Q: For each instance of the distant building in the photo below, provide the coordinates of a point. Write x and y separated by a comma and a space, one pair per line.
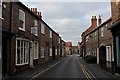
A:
68, 48
75, 50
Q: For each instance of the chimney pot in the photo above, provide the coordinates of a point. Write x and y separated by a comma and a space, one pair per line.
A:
99, 20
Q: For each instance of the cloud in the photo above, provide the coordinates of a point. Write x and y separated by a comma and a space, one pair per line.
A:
70, 19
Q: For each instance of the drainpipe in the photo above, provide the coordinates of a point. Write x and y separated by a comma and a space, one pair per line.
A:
10, 58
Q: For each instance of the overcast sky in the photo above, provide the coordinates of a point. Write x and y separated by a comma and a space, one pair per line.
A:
70, 19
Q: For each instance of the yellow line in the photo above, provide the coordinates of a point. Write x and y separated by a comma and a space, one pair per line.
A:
86, 72
44, 70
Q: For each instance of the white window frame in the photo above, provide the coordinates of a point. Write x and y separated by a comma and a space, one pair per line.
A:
102, 31
55, 51
42, 28
0, 9
108, 53
25, 56
87, 38
36, 48
36, 25
59, 40
23, 29
42, 52
50, 34
50, 52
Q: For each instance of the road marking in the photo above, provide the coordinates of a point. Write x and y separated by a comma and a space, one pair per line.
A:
86, 72
36, 75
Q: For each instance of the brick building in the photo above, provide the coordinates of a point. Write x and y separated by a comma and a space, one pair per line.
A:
27, 39
74, 49
68, 48
115, 8
99, 43
83, 43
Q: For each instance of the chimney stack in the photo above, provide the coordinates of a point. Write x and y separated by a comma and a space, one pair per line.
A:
34, 10
94, 21
39, 14
99, 20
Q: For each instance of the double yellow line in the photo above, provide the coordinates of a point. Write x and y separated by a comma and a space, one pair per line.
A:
36, 75
86, 72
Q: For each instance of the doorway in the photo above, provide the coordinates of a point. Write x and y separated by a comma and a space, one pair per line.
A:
102, 57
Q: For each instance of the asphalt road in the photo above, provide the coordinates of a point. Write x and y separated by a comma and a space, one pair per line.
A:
72, 67
67, 68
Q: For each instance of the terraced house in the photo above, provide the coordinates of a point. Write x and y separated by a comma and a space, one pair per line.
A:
103, 44
115, 8
27, 40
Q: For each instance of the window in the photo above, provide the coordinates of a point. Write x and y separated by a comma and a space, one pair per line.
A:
59, 40
50, 34
108, 53
55, 51
42, 52
34, 29
0, 9
102, 31
42, 28
59, 50
21, 20
22, 52
87, 38
36, 50
50, 51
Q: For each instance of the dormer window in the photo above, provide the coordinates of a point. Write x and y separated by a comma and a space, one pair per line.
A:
21, 20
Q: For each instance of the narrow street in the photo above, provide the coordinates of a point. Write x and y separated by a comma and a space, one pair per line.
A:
72, 68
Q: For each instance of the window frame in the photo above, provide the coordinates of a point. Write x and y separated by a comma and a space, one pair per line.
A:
25, 56
36, 46
35, 21
42, 55
42, 28
108, 53
23, 29
50, 52
102, 31
0, 9
50, 34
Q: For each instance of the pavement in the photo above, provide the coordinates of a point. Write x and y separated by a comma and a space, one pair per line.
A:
70, 67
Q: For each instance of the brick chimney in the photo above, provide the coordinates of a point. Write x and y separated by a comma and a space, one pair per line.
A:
34, 10
99, 20
94, 21
39, 14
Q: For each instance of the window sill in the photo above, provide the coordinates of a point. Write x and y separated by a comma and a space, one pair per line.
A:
21, 29
35, 58
21, 64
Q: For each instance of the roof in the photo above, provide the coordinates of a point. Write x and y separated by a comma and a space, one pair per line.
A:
108, 20
114, 25
74, 46
68, 43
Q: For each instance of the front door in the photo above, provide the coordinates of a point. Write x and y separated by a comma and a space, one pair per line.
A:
31, 54
102, 57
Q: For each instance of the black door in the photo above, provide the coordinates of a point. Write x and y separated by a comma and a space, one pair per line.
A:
4, 56
102, 56
53, 52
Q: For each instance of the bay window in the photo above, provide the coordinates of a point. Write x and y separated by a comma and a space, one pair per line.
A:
22, 52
